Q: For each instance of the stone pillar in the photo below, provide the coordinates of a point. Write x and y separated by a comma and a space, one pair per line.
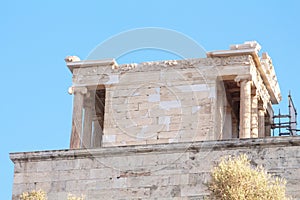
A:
87, 124
245, 106
98, 120
254, 116
268, 126
235, 130
261, 122
77, 116
97, 135
227, 127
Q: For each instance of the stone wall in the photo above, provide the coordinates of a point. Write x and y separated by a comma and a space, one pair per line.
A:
161, 171
156, 102
160, 105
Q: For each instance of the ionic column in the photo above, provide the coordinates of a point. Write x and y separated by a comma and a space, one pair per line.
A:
87, 124
261, 121
77, 116
245, 106
227, 127
98, 132
254, 116
98, 119
234, 128
268, 130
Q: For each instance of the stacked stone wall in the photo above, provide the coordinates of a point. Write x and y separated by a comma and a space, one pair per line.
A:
161, 171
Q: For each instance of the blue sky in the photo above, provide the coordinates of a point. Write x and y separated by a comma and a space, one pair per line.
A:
37, 35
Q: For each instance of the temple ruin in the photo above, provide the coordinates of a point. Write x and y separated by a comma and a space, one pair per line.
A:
228, 94
155, 130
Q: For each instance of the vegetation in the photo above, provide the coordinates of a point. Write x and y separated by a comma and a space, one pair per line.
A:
34, 195
72, 197
235, 179
41, 195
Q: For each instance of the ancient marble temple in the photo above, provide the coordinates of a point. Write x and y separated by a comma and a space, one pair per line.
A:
228, 94
155, 130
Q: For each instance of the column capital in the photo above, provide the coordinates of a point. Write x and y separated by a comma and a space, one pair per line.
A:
74, 90
240, 78
254, 91
261, 107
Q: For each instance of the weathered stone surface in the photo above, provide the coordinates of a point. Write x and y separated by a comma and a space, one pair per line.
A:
162, 171
141, 101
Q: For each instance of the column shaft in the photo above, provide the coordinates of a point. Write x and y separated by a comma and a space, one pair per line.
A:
97, 135
261, 123
77, 120
87, 125
254, 117
234, 128
245, 109
268, 129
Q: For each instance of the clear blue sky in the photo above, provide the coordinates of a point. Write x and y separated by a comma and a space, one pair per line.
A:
37, 35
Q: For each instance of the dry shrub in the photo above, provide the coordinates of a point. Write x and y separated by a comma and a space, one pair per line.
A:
34, 195
235, 179
41, 195
72, 197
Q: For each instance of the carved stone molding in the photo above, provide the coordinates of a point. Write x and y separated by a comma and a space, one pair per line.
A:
72, 59
188, 63
260, 86
268, 69
233, 60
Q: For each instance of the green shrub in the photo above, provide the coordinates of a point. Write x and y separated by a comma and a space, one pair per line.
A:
235, 179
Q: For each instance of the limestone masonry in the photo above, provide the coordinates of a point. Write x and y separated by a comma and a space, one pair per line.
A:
154, 130
229, 94
162, 171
